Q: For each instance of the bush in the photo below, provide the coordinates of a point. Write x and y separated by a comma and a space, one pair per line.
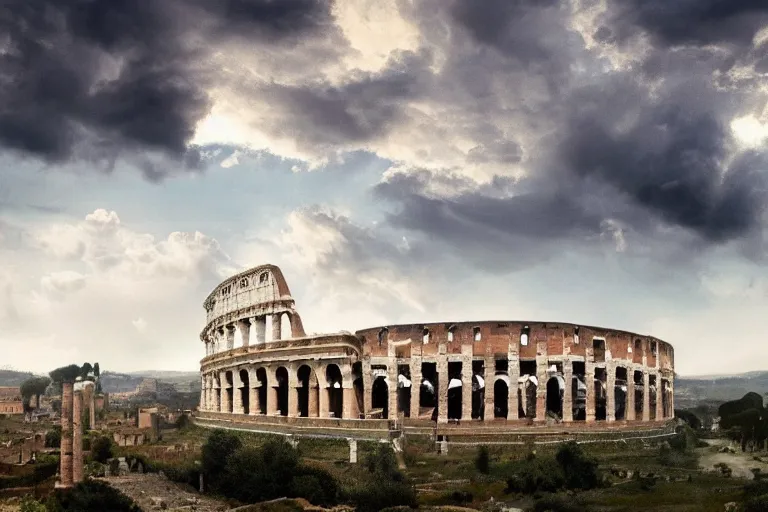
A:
185, 473
303, 488
90, 496
758, 504
258, 474
219, 446
535, 475
556, 503
383, 463
182, 422
755, 488
53, 437
378, 495
483, 460
102, 449
580, 471
30, 504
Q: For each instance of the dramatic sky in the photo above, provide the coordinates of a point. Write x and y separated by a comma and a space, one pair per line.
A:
599, 162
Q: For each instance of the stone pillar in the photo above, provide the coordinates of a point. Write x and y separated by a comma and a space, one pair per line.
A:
659, 401
276, 325
203, 391
489, 376
415, 386
244, 326
629, 414
610, 384
324, 403
466, 387
230, 332
646, 396
367, 386
392, 389
224, 402
568, 392
253, 397
313, 405
272, 401
65, 468
442, 388
293, 393
237, 398
541, 389
77, 437
513, 403
352, 450
258, 331
349, 403
589, 381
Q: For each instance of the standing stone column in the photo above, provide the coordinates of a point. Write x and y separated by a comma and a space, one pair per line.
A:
224, 401
276, 327
272, 400
589, 377
65, 470
367, 387
442, 388
393, 390
203, 391
313, 401
646, 396
77, 437
659, 401
230, 336
568, 392
293, 393
324, 404
489, 374
237, 398
253, 395
610, 384
513, 403
244, 326
466, 387
541, 389
629, 409
415, 386
349, 402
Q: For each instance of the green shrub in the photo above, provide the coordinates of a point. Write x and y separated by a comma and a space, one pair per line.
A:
383, 463
102, 449
330, 491
483, 460
30, 504
757, 504
579, 470
383, 494
755, 488
219, 446
535, 475
259, 474
559, 503
53, 437
90, 496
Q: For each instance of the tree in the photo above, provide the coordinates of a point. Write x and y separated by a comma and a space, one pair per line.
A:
483, 460
217, 448
65, 374
85, 370
748, 416
101, 449
34, 386
258, 474
96, 371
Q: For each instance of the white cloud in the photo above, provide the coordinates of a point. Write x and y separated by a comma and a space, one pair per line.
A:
58, 285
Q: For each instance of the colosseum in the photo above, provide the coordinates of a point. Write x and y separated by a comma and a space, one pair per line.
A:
260, 367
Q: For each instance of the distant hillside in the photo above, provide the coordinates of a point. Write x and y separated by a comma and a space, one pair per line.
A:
13, 378
113, 382
690, 391
182, 381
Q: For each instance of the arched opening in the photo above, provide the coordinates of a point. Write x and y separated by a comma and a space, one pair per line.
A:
285, 327
380, 396
281, 375
665, 398
579, 394
428, 391
501, 398
261, 377
652, 398
335, 391
216, 393
555, 388
478, 397
230, 392
600, 394
620, 394
639, 386
404, 385
308, 392
245, 391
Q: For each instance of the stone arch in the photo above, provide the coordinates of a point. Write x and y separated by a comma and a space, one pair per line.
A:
555, 388
620, 394
501, 397
308, 392
335, 389
281, 381
380, 395
404, 390
229, 391
263, 384
245, 391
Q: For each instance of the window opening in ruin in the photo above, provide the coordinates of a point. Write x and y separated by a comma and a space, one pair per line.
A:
428, 390
263, 278
665, 398
653, 348
576, 335
526, 390
244, 282
261, 376
478, 390
502, 365
245, 391
652, 397
335, 391
380, 396
281, 375
455, 385
501, 397
620, 394
383, 335
451, 332
524, 334
598, 349
308, 392
228, 393
425, 336
404, 385
555, 391
601, 395
638, 345
476, 333
637, 376
579, 391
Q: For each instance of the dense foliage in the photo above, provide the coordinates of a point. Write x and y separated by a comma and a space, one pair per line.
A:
387, 488
34, 386
65, 374
102, 449
570, 468
53, 437
90, 496
483, 460
747, 418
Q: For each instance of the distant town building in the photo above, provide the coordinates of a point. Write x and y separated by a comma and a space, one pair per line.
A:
10, 400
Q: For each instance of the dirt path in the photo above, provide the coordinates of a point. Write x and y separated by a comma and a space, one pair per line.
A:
740, 463
150, 491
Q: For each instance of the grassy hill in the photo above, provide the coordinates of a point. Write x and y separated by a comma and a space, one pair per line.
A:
13, 377
690, 391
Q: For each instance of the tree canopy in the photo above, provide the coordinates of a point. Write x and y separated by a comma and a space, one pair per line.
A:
34, 386
65, 373
748, 417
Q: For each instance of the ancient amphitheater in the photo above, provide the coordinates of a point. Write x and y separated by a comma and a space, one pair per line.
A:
262, 371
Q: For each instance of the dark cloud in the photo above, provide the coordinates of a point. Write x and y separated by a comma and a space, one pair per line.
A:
95, 79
